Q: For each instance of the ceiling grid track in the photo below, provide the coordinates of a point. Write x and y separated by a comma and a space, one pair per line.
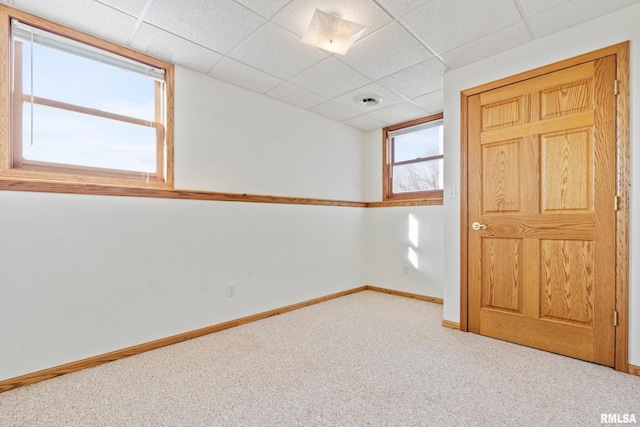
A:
523, 15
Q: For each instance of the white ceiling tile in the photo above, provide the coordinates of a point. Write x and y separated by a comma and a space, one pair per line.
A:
218, 25
261, 41
572, 13
534, 7
365, 123
445, 24
133, 7
387, 98
91, 17
398, 8
264, 8
330, 78
156, 42
386, 51
431, 102
335, 110
297, 15
417, 80
242, 75
294, 95
484, 47
277, 52
399, 113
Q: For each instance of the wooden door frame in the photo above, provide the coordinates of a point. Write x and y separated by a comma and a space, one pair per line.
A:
621, 51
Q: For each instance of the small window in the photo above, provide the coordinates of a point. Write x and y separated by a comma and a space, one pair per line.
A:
83, 113
413, 164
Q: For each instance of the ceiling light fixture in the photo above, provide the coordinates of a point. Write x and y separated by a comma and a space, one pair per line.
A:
332, 33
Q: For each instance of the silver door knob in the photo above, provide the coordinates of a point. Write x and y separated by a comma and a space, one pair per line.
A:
477, 226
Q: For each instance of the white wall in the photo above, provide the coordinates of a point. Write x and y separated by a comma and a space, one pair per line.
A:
604, 31
388, 242
236, 141
388, 239
85, 275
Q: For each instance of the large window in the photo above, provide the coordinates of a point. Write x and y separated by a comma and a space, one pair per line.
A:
413, 161
81, 112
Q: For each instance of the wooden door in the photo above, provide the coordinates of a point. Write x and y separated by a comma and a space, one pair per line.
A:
542, 180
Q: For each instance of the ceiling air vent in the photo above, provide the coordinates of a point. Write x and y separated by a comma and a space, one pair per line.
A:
368, 100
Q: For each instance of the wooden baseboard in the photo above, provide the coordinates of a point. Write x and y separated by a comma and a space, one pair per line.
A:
55, 371
163, 342
451, 325
405, 294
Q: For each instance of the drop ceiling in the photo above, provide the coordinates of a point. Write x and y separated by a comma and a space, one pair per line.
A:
255, 44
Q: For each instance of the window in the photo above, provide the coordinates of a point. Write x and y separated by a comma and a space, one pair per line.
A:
81, 112
413, 160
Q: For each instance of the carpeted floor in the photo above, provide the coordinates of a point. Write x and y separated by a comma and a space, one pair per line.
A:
365, 359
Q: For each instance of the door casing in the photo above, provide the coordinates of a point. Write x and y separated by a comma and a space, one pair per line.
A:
621, 52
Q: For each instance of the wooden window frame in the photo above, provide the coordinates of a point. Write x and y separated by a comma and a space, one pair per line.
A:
13, 167
433, 197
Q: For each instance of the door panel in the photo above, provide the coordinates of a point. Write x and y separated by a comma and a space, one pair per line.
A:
567, 172
502, 114
541, 178
501, 167
566, 99
567, 281
503, 274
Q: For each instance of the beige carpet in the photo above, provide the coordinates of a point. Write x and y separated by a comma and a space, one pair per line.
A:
365, 359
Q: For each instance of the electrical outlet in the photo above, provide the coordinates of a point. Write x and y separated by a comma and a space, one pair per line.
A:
405, 270
231, 290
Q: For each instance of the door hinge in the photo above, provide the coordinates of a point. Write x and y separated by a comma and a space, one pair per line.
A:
615, 87
615, 318
616, 203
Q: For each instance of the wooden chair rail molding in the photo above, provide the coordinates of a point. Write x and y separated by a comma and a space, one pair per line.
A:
160, 193
113, 190
163, 342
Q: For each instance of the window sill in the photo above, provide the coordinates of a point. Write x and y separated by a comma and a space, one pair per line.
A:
416, 198
44, 177
435, 201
